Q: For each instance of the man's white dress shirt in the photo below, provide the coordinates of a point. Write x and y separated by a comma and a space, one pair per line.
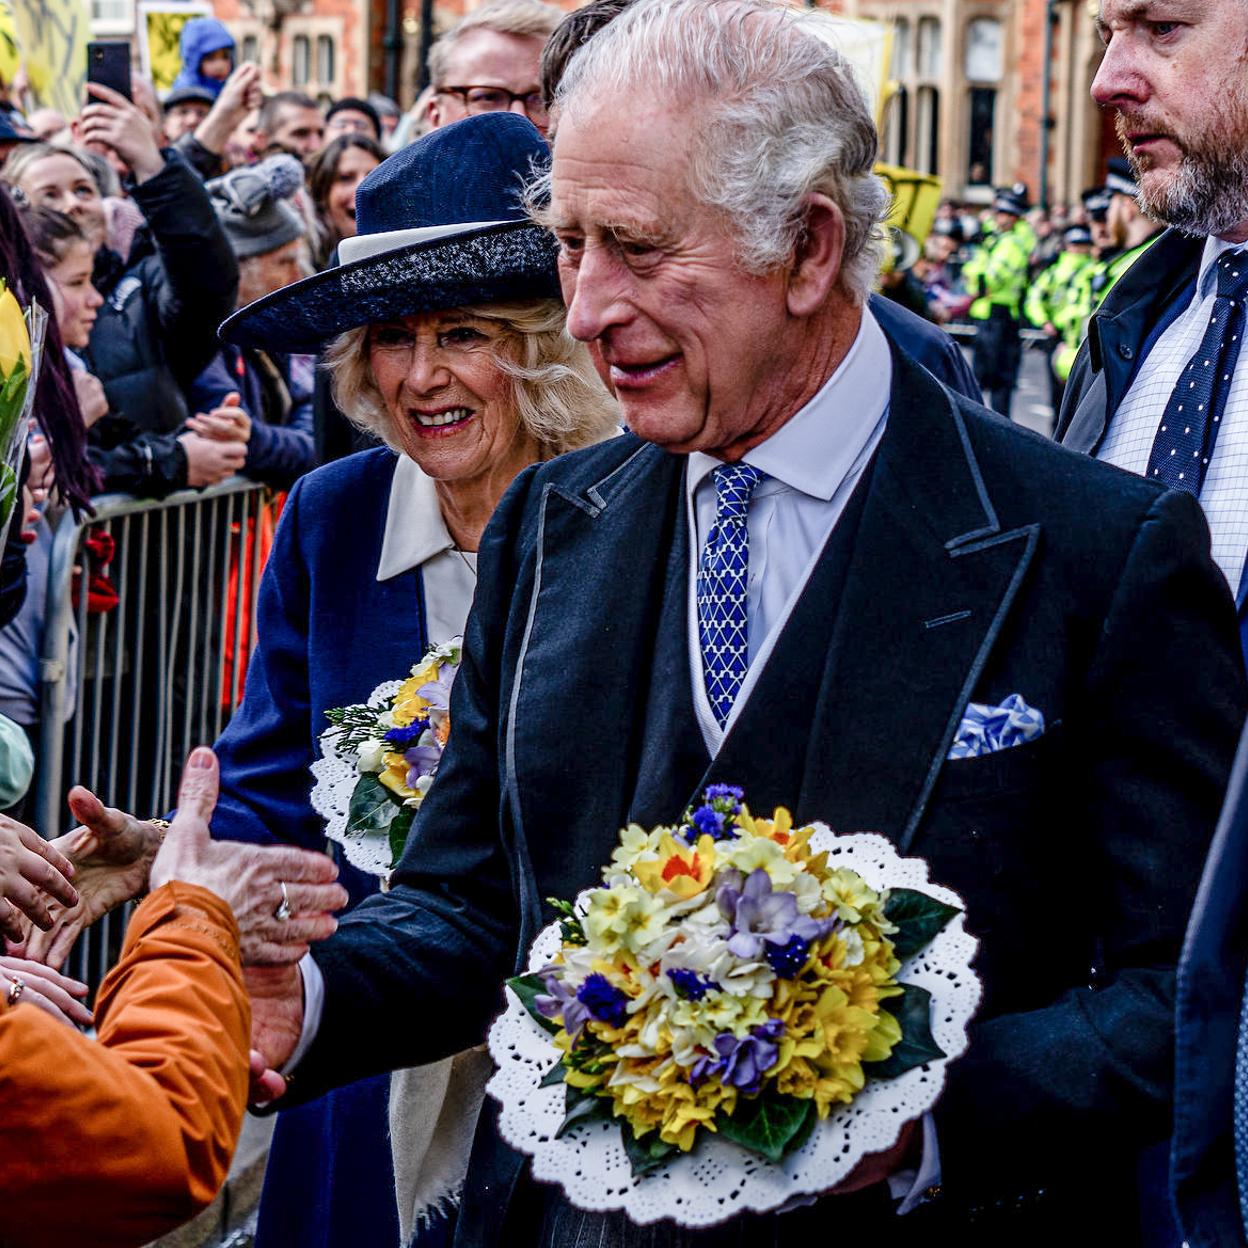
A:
1129, 440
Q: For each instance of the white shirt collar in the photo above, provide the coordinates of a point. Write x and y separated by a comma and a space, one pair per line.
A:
816, 448
1214, 247
415, 530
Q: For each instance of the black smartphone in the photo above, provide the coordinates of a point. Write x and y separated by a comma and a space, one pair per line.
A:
109, 65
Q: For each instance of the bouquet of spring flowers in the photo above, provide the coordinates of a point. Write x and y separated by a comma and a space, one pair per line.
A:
732, 994
379, 759
21, 352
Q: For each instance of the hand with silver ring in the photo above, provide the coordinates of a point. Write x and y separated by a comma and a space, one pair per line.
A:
16, 988
284, 909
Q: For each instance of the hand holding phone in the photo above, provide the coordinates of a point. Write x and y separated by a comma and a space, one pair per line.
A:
112, 122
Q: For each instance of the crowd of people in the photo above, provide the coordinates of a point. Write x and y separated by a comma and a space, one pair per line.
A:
589, 359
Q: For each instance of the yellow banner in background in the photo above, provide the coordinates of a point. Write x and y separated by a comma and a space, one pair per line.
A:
10, 58
916, 196
52, 36
868, 47
160, 37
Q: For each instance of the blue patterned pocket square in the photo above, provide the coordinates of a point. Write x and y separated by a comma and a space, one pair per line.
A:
986, 729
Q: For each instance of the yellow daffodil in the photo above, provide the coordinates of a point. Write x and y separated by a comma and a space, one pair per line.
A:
680, 869
14, 340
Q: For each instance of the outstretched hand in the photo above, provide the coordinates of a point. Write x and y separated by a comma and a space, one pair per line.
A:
34, 878
283, 898
111, 854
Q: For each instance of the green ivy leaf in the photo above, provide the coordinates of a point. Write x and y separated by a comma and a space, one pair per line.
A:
647, 1153
373, 807
528, 988
400, 826
771, 1125
918, 918
913, 1010
8, 493
553, 1076
583, 1108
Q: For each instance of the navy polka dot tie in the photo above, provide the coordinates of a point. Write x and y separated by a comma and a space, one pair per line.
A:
1189, 427
723, 578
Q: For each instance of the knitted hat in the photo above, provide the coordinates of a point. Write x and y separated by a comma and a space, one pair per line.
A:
251, 204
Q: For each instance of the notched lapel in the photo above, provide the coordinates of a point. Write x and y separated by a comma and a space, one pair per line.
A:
572, 745
930, 550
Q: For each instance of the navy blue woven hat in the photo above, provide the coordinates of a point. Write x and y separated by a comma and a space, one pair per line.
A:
440, 225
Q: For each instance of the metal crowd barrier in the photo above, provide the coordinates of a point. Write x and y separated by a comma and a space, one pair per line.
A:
159, 673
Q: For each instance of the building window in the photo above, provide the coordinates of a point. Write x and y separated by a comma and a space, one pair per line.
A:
983, 126
930, 48
110, 17
927, 130
901, 49
896, 127
325, 59
251, 49
300, 61
984, 50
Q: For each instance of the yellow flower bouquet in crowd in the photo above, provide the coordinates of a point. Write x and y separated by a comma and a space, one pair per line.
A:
21, 351
738, 985
379, 759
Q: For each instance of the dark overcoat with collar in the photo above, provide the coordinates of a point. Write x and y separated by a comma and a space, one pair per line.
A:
974, 561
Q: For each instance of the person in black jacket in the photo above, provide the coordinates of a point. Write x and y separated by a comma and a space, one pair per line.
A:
261, 398
163, 303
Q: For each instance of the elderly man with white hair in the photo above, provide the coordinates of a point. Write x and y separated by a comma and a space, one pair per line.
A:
893, 565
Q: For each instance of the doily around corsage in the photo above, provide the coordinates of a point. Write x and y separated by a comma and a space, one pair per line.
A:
719, 1180
336, 774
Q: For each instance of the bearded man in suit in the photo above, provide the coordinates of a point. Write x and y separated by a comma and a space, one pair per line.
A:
810, 570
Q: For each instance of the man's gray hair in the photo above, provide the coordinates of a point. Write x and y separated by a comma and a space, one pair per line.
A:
780, 114
531, 19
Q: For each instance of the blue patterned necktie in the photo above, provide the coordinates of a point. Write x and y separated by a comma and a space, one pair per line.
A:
1189, 427
723, 576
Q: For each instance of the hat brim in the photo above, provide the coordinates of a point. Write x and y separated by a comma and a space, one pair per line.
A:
505, 263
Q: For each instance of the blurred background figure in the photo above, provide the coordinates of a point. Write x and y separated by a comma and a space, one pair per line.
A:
261, 400
48, 125
334, 173
490, 61
352, 116
291, 122
207, 55
184, 109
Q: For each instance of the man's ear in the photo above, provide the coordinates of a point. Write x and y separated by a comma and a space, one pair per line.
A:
433, 114
816, 264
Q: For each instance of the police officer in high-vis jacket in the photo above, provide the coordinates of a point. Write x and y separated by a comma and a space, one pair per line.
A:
996, 274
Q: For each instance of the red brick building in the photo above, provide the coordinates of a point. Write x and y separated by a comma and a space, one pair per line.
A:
971, 93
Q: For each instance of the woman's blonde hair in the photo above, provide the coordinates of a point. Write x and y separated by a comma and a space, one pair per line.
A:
561, 400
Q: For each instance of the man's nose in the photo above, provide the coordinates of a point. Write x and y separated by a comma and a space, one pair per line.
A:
1121, 78
593, 293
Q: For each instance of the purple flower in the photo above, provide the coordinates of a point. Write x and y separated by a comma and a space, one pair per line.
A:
689, 984
725, 793
788, 960
422, 760
603, 1000
561, 1002
707, 821
401, 738
438, 692
760, 917
741, 1063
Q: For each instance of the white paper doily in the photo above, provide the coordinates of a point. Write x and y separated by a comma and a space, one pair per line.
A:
718, 1179
336, 775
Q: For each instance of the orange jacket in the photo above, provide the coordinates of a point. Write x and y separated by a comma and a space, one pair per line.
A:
117, 1142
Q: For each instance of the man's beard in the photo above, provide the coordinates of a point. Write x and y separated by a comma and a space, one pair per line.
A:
1208, 192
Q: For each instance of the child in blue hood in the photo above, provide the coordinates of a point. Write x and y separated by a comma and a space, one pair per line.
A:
207, 55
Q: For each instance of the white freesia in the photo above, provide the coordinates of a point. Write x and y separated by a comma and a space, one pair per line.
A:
369, 757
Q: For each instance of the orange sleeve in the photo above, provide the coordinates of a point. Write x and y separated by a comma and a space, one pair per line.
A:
116, 1142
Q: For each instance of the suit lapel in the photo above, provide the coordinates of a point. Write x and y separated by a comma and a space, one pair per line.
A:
930, 583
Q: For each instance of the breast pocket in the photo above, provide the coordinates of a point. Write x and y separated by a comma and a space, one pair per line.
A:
1012, 770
